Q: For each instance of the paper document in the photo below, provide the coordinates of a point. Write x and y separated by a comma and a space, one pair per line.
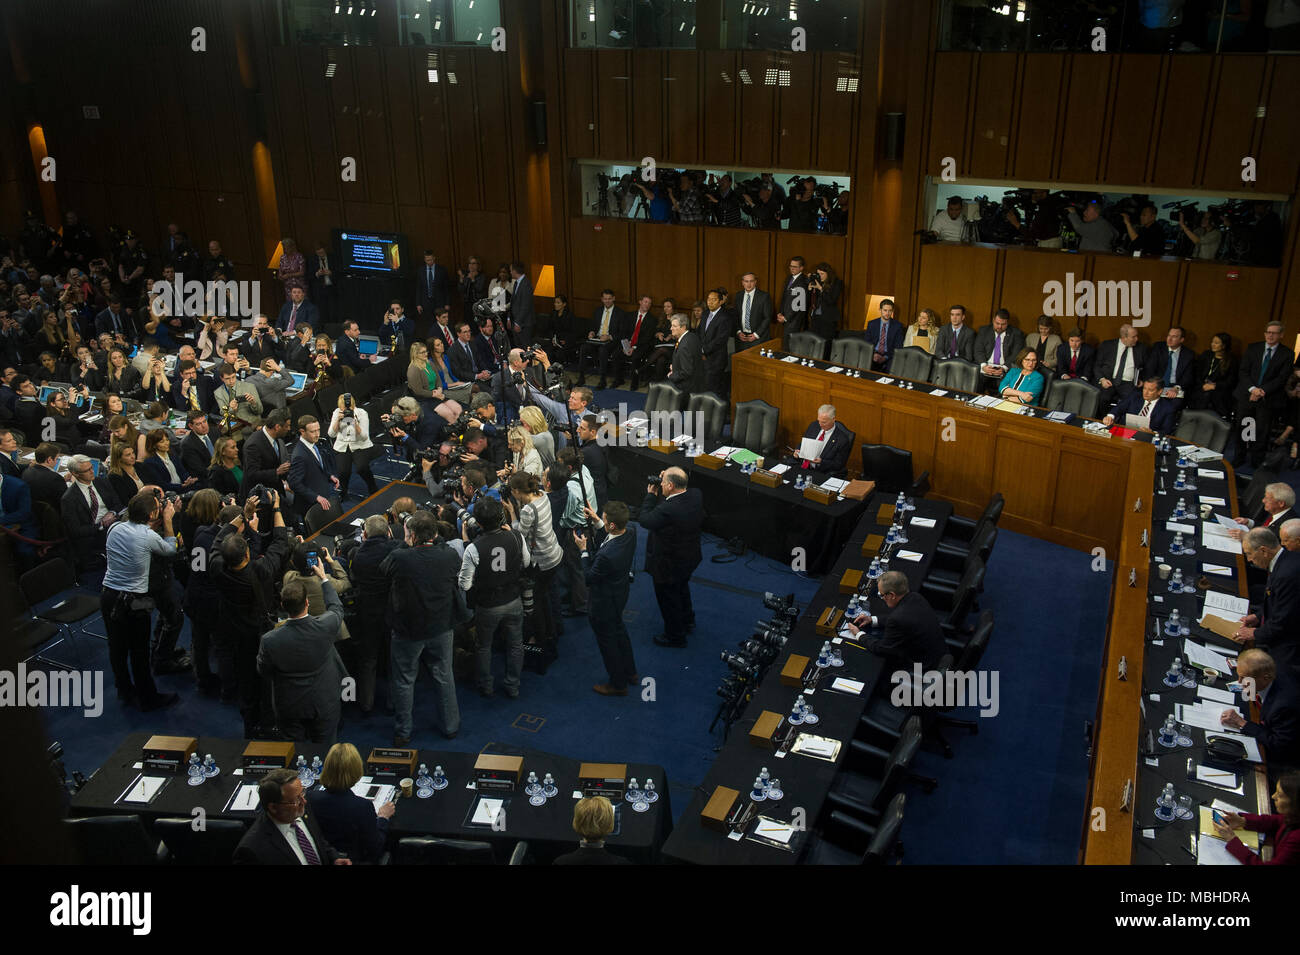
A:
744, 456
938, 392
1251, 744
487, 810
1215, 695
1228, 523
835, 369
1218, 777
1202, 717
1230, 606
723, 452
1177, 528
884, 381
1217, 569
810, 449
1217, 625
1247, 836
1201, 656
682, 439
835, 484
815, 746
1059, 416
1212, 475
1136, 422
1219, 542
791, 358
1216, 501
382, 794
246, 799
909, 555
847, 686
780, 468
1212, 851
922, 522
145, 788
776, 831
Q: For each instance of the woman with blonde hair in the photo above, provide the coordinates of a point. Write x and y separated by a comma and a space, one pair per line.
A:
225, 474
350, 429
351, 823
922, 333
523, 456
432, 385
531, 417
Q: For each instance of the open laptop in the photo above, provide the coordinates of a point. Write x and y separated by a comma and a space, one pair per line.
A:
299, 382
368, 345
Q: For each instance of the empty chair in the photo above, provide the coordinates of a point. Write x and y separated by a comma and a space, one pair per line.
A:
755, 426
1204, 428
885, 721
521, 855
663, 397
712, 412
968, 653
114, 840
891, 469
861, 791
911, 362
808, 345
33, 639
844, 840
429, 850
851, 353
1073, 396
214, 845
947, 569
316, 518
956, 601
956, 373
960, 531
48, 580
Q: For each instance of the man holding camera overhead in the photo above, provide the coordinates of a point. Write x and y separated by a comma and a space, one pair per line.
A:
672, 513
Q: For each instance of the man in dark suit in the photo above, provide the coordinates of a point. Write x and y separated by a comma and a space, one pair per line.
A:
487, 354
396, 331
439, 328
593, 456
996, 347
198, 447
1160, 412
687, 369
461, 359
297, 309
283, 833
605, 341
89, 507
11, 464
1076, 358
311, 469
607, 566
793, 316
303, 665
1174, 365
266, 457
672, 513
260, 343
716, 328
885, 334
641, 328
1278, 694
956, 339
522, 317
347, 349
190, 390
114, 321
1119, 366
48, 486
754, 313
16, 511
433, 285
1274, 626
1261, 393
593, 819
834, 441
322, 283
912, 632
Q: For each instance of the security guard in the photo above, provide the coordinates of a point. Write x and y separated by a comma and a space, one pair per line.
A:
132, 261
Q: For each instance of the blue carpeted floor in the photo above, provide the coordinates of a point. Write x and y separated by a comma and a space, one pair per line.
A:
1014, 793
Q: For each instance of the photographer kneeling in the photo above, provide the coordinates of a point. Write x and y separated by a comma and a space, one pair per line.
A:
410, 429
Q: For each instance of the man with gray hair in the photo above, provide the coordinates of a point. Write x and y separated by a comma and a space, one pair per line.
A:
89, 507
1279, 499
828, 452
284, 833
912, 632
1274, 625
1119, 364
1290, 535
523, 383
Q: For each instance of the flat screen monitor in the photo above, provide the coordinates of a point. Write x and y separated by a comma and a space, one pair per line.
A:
372, 254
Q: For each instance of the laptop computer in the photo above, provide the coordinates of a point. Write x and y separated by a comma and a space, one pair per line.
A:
368, 345
299, 381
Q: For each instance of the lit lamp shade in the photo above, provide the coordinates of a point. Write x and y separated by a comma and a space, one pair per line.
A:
275, 257
545, 287
873, 308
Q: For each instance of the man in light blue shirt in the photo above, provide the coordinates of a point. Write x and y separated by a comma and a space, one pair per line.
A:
124, 600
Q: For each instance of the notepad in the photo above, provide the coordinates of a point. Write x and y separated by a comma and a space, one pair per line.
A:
781, 832
847, 686
779, 468
1215, 694
884, 381
1220, 542
1247, 836
1217, 569
245, 798
145, 788
938, 392
1227, 605
1059, 416
791, 358
487, 810
834, 484
835, 369
1213, 475
1177, 528
815, 746
922, 522
909, 555
1220, 778
1216, 501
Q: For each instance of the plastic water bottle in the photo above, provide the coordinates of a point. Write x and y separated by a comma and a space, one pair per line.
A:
649, 791
422, 779
549, 788
1180, 482
1169, 733
1165, 803
1177, 547
533, 787
633, 790
758, 793
195, 769
316, 767
1174, 624
1176, 582
1174, 676
439, 778
304, 772
824, 655
901, 503
210, 766
766, 778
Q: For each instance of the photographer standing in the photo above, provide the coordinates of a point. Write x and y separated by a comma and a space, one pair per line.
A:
370, 633
801, 208
124, 599
397, 328
350, 429
490, 572
435, 465
673, 515
607, 563
535, 523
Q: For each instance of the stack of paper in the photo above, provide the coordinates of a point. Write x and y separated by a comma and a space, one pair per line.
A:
1212, 475
724, 452
779, 468
884, 381
1059, 416
1225, 605
908, 555
1201, 656
791, 358
145, 788
1213, 538
938, 392
1202, 715
922, 522
834, 484
835, 369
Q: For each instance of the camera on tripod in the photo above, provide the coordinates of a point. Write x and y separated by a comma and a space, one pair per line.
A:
740, 665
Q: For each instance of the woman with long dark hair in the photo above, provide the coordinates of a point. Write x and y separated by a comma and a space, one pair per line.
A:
1216, 374
825, 316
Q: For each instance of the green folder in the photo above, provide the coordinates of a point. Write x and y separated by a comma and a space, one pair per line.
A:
746, 456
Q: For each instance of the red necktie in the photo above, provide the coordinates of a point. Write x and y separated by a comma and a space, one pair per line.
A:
637, 331
1268, 520
822, 436
880, 345
1074, 362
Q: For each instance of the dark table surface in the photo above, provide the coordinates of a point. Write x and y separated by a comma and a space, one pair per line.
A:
804, 780
773, 521
376, 503
548, 828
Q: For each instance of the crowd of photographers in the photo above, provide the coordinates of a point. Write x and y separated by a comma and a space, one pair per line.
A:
697, 197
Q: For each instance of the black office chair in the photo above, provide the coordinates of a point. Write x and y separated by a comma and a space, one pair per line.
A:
114, 840
891, 469
957, 602
430, 850
852, 353
912, 363
844, 840
1073, 396
663, 397
33, 639
316, 518
713, 413
808, 345
215, 845
1251, 498
1204, 428
968, 653
960, 531
956, 373
884, 721
946, 570
872, 775
755, 426
47, 581
521, 855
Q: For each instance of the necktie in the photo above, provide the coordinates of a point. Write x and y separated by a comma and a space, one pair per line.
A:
94, 502
997, 349
637, 330
952, 353
1074, 362
1146, 410
822, 436
316, 451
293, 318
207, 443
117, 324
1268, 355
1123, 364
1268, 520
749, 298
304, 844
429, 273
1172, 370
880, 345
709, 320
604, 322
194, 397
469, 351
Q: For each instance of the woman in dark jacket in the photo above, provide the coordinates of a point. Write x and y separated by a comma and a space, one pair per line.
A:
60, 413
159, 467
825, 318
352, 824
473, 287
1216, 377
225, 475
121, 378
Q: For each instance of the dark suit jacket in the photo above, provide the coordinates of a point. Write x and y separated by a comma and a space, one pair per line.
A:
195, 456
257, 349
152, 471
619, 326
761, 316
965, 342
47, 487
303, 665
16, 504
483, 353
593, 459
1184, 375
86, 538
104, 323
347, 352
1108, 354
261, 459
912, 635
521, 308
835, 457
795, 318
460, 364
297, 356
264, 845
687, 369
609, 574
307, 312
1279, 627
1086, 365
1279, 726
1012, 342
672, 551
894, 336
349, 823
422, 595
437, 295
1163, 413
714, 337
1275, 376
307, 479
178, 400
591, 855
11, 468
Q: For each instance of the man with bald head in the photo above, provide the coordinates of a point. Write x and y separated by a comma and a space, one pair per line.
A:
1276, 509
672, 513
523, 383
1275, 625
1278, 694
1119, 365
1290, 535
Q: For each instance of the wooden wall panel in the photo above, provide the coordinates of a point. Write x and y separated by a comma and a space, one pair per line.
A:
1023, 278
608, 242
1280, 144
1180, 136
757, 118
833, 152
494, 129
403, 135
431, 128
463, 117
1232, 128
1214, 301
995, 93
904, 425
579, 103
955, 275
1133, 118
949, 115
613, 103
295, 146
664, 257
682, 100
719, 93
1087, 483
797, 113
962, 469
730, 253
1024, 471
487, 235
1085, 117
371, 115
1039, 109
430, 228
648, 95
1159, 306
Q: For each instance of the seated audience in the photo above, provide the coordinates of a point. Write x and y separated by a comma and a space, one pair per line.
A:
1023, 383
354, 825
593, 821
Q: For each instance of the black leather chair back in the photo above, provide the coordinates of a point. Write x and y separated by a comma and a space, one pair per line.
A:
430, 850
755, 426
973, 652
316, 518
214, 846
664, 397
851, 353
884, 843
911, 362
900, 760
972, 579
889, 467
713, 412
956, 373
1074, 396
113, 840
1204, 428
807, 344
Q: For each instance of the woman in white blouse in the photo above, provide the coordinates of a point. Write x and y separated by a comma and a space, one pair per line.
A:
212, 339
523, 456
545, 556
534, 422
350, 429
